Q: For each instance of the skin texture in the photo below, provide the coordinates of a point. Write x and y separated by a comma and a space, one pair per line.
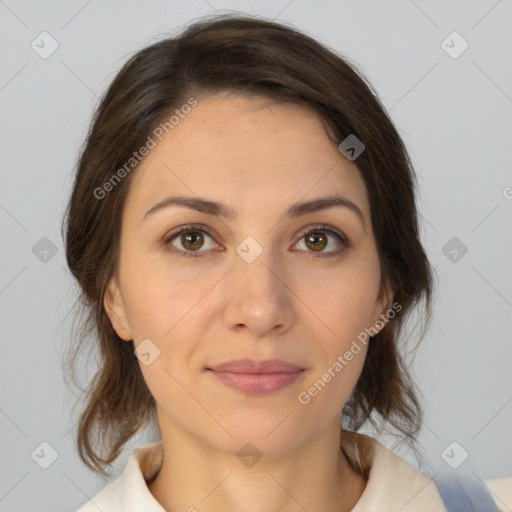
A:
258, 157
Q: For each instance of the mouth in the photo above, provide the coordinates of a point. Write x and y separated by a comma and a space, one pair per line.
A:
257, 377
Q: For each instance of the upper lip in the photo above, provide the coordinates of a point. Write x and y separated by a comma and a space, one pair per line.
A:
251, 366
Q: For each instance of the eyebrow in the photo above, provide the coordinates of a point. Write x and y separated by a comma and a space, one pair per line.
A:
210, 207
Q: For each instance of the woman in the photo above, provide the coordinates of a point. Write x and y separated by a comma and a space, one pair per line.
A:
244, 230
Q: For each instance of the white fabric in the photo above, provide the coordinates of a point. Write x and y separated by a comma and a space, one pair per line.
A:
392, 484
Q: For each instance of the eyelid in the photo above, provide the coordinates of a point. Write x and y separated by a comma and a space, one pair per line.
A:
323, 227
187, 227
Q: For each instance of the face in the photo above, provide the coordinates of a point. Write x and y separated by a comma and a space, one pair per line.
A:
267, 282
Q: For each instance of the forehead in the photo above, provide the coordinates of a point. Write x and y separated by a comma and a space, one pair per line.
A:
245, 149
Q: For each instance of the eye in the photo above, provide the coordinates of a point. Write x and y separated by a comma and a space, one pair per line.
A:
189, 240
319, 238
192, 241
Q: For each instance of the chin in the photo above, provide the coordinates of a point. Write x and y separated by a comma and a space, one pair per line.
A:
272, 438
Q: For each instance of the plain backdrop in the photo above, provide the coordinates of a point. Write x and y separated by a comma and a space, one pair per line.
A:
451, 104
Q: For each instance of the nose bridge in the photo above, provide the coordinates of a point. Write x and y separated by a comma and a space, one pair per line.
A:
258, 274
257, 296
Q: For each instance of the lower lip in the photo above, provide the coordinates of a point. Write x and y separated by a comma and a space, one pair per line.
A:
257, 383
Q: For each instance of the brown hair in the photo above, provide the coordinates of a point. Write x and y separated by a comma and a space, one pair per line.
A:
251, 56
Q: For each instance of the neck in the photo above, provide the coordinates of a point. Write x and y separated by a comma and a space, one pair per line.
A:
196, 476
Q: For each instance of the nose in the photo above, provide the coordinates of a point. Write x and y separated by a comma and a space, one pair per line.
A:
257, 297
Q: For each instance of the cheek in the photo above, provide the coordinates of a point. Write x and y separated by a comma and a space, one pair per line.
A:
173, 311
328, 389
343, 306
160, 301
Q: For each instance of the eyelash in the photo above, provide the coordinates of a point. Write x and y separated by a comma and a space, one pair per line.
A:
203, 229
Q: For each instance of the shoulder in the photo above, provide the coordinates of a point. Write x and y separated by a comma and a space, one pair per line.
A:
129, 491
501, 491
392, 484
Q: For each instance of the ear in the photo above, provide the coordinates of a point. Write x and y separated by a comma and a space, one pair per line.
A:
115, 308
382, 305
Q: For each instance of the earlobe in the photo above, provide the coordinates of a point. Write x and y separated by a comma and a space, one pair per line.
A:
387, 299
384, 304
114, 306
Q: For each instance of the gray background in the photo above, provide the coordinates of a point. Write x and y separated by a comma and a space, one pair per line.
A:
453, 113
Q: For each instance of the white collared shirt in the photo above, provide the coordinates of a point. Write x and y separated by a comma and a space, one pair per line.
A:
392, 484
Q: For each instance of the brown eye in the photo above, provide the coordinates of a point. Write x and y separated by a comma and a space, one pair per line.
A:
192, 240
316, 241
189, 241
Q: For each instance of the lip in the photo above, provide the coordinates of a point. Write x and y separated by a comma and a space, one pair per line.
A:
253, 366
257, 377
